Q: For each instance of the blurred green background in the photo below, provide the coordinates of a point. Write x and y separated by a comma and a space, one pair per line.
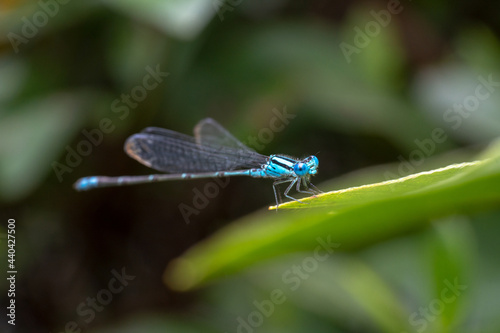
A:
362, 82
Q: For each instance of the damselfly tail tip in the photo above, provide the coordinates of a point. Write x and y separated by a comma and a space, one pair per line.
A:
86, 183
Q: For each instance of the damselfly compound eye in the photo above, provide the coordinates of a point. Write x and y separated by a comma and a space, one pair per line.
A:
300, 169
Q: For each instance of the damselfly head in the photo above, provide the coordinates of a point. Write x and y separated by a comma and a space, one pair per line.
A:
313, 162
307, 166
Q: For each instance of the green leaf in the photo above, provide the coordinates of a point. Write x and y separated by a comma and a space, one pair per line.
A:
353, 218
451, 252
155, 324
33, 136
361, 194
343, 287
180, 19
